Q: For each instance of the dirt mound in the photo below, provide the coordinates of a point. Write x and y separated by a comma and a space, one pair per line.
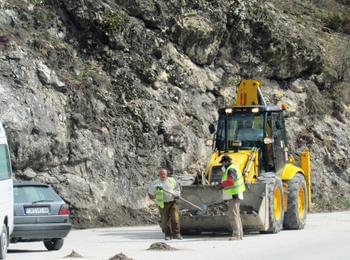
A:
120, 256
74, 254
161, 246
212, 210
216, 209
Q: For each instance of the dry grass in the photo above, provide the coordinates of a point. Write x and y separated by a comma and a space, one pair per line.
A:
338, 21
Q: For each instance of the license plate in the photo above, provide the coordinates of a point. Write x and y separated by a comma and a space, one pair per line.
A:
37, 211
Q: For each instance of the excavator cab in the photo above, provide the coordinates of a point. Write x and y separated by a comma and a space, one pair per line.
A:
278, 192
244, 128
239, 125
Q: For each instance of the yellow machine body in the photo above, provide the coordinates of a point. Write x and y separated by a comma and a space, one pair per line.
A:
264, 208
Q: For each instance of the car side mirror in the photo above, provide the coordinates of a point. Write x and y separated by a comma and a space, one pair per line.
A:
211, 129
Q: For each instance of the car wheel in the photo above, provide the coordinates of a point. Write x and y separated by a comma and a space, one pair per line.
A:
3, 242
54, 244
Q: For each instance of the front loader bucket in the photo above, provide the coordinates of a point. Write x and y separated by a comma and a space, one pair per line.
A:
254, 209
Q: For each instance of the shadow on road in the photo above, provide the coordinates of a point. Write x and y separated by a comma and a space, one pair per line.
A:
20, 251
134, 234
127, 235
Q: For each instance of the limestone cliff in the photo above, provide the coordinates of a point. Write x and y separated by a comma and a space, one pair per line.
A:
97, 95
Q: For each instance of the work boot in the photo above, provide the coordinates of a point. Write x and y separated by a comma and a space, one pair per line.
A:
167, 238
178, 236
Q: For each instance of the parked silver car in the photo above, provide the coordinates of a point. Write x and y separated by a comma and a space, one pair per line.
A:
39, 215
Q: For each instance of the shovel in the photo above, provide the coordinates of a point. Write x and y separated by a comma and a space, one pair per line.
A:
200, 210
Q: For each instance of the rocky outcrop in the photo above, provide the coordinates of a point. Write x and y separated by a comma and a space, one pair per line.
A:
97, 95
199, 37
266, 42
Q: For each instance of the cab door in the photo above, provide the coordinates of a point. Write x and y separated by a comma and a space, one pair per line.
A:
275, 151
279, 137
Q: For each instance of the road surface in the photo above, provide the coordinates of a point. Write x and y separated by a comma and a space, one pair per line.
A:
326, 236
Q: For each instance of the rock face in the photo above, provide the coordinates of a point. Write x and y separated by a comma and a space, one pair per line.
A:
198, 36
262, 38
97, 95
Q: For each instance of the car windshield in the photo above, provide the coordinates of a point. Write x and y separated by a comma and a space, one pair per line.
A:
247, 128
34, 194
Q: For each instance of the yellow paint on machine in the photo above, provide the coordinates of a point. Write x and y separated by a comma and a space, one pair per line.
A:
305, 164
239, 159
290, 170
247, 94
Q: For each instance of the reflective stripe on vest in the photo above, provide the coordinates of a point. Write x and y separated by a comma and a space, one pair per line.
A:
160, 193
238, 185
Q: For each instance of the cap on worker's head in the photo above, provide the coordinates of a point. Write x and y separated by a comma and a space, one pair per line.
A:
225, 158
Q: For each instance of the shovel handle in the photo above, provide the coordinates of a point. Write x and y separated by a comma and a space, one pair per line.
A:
189, 202
181, 198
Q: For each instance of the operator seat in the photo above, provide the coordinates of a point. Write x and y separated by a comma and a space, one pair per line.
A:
249, 133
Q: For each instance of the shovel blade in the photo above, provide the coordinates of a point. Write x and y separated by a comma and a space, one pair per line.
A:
202, 211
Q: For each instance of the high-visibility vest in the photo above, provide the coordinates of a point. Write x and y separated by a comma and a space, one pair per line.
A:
238, 185
160, 193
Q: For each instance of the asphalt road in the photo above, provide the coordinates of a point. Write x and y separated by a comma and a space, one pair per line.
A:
326, 236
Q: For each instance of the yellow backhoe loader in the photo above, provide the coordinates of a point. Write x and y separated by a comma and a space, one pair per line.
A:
278, 191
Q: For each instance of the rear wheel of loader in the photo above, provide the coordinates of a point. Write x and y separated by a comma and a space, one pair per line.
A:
275, 200
297, 203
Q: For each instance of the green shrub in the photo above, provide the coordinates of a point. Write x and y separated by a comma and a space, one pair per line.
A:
112, 21
344, 2
338, 21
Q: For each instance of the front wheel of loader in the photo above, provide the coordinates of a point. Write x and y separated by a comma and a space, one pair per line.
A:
295, 217
275, 200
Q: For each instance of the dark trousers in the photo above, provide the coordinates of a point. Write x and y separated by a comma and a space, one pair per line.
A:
235, 217
170, 218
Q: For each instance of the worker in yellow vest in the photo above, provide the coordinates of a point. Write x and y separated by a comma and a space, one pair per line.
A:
233, 187
169, 212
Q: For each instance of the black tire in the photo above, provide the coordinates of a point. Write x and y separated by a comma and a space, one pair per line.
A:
3, 242
54, 244
275, 196
295, 217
